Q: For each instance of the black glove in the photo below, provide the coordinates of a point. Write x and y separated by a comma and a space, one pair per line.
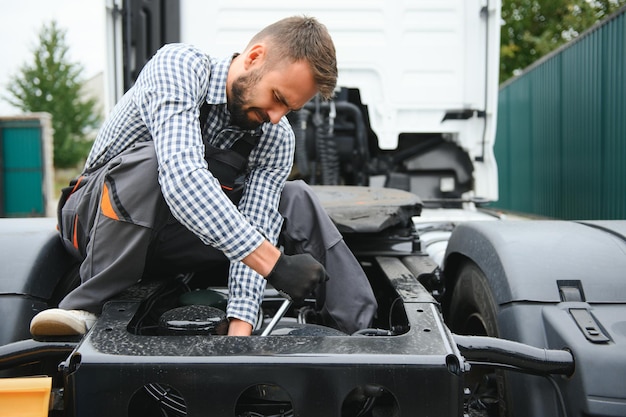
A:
296, 276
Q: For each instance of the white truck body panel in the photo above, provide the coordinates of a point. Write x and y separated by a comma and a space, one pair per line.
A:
412, 61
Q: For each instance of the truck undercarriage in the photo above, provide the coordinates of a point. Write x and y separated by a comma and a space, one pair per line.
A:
159, 348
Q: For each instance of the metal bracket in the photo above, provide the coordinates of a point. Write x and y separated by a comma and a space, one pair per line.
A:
588, 325
464, 114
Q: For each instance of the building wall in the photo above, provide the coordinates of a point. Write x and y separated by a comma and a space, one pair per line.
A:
26, 172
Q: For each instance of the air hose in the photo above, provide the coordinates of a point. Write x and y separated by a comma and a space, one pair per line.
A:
325, 147
299, 129
525, 358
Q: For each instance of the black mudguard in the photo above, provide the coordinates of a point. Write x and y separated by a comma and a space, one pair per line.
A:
557, 285
34, 263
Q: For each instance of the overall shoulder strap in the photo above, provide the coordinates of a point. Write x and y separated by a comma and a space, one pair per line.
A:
243, 146
204, 114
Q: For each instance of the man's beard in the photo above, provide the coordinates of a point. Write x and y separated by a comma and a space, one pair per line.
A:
240, 93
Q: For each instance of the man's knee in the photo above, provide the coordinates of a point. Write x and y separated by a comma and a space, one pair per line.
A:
296, 193
295, 188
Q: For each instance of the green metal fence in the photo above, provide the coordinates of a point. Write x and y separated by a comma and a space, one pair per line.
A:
561, 134
25, 166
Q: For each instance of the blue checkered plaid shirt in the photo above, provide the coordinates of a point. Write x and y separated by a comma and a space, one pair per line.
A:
163, 106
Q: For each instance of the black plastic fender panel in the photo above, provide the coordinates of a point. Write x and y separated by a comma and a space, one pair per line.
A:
526, 260
33, 263
557, 285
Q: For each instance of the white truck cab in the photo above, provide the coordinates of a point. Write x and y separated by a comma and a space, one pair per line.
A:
422, 74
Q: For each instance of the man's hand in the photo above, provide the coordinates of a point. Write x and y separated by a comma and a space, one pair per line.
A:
296, 276
239, 328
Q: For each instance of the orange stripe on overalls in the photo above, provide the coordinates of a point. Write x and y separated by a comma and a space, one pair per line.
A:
106, 206
75, 234
78, 181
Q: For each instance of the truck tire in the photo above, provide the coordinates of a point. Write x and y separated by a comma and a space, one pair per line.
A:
472, 307
473, 312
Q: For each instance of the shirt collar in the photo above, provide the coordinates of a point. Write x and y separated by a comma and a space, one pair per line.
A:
217, 80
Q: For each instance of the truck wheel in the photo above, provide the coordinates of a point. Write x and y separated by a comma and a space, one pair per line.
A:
473, 312
472, 308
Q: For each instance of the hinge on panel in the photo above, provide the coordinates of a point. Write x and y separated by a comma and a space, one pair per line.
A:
572, 291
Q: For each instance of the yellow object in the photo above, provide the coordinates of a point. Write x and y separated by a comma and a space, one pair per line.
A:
25, 397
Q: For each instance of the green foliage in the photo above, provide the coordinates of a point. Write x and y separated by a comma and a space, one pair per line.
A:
53, 84
533, 28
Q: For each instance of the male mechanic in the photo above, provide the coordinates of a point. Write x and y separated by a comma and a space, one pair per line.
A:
161, 184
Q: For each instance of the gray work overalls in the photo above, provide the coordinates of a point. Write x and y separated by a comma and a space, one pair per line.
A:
115, 220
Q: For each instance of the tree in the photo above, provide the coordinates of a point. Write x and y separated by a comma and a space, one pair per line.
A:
53, 84
533, 28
